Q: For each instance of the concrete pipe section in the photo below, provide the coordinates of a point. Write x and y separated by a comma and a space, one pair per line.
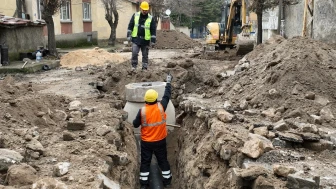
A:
135, 93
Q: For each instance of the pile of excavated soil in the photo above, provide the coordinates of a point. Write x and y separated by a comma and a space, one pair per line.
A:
35, 139
90, 57
296, 75
172, 39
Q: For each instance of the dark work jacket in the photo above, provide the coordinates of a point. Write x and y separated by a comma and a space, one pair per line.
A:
139, 40
164, 102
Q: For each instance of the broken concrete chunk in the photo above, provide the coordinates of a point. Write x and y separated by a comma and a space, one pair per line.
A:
103, 130
8, 158
263, 131
268, 113
310, 137
35, 146
68, 136
290, 137
281, 143
253, 172
21, 175
49, 183
310, 95
316, 119
225, 154
307, 128
281, 126
319, 146
264, 183
283, 171
75, 125
243, 104
321, 100
40, 114
225, 116
251, 112
75, 105
61, 169
297, 182
256, 146
326, 114
107, 183
294, 113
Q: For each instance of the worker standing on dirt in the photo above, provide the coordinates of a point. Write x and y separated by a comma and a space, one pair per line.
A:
152, 118
142, 32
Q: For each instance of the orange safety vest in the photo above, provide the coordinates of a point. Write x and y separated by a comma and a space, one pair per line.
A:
153, 123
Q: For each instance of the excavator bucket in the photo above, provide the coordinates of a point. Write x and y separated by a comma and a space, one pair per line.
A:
244, 46
245, 42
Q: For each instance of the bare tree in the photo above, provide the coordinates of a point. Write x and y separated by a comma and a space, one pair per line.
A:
112, 17
258, 6
48, 9
157, 9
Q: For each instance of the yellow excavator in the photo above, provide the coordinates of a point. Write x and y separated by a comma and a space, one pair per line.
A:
232, 31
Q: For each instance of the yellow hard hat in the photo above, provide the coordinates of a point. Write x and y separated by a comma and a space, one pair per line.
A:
144, 5
151, 95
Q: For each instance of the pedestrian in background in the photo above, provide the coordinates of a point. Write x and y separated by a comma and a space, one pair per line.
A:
152, 118
142, 33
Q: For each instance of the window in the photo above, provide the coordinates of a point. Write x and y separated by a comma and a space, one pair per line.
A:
39, 9
86, 11
65, 11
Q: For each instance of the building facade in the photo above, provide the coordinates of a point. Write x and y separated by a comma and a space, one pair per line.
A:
77, 16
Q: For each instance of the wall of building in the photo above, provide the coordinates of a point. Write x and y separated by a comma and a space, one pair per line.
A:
77, 39
99, 23
22, 39
325, 21
324, 27
7, 7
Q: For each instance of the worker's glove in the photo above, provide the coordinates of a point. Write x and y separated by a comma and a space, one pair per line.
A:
169, 78
152, 45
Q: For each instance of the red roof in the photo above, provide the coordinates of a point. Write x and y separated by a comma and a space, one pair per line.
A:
9, 22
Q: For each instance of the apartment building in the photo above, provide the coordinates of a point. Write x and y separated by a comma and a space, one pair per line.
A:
76, 16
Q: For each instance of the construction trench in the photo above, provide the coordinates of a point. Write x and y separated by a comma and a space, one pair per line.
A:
264, 120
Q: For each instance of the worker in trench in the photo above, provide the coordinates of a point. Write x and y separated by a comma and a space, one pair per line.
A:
142, 33
152, 118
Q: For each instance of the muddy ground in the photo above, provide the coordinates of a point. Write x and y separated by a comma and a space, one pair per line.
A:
265, 120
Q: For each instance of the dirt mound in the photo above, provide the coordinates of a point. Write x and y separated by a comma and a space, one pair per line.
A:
171, 39
90, 57
297, 75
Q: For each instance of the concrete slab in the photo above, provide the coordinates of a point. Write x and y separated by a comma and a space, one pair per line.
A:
16, 66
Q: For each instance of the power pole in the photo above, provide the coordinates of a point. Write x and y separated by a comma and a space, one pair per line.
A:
19, 8
280, 15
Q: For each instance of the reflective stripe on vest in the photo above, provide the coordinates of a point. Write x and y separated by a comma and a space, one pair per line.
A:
146, 26
153, 123
143, 117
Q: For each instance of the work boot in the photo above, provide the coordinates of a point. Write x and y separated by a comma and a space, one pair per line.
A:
144, 69
133, 70
167, 186
144, 187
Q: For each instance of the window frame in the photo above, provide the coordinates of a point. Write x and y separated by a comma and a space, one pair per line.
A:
88, 6
67, 8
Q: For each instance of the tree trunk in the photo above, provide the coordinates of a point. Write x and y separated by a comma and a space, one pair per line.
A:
113, 25
112, 39
51, 36
260, 31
